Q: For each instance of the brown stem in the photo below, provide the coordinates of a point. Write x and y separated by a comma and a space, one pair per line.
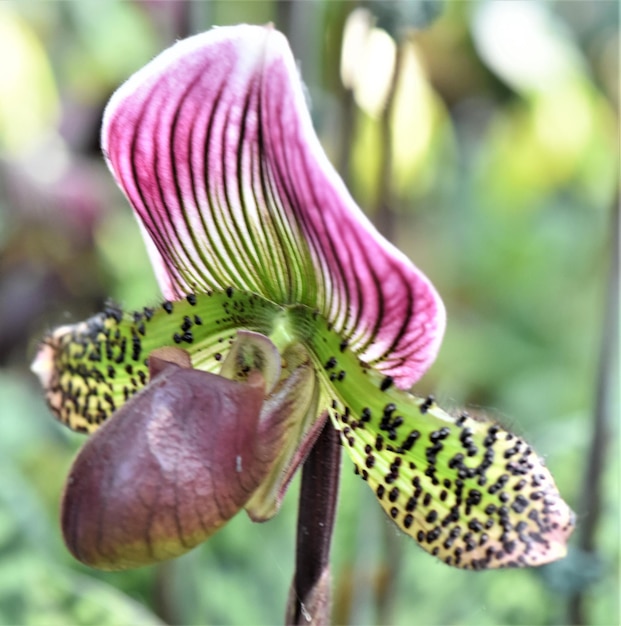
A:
309, 598
591, 496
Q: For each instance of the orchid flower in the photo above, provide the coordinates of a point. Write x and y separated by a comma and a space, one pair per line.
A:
284, 308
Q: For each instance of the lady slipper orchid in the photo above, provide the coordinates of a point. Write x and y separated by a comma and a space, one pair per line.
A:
285, 307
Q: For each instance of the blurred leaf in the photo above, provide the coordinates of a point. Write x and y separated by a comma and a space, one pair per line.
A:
114, 39
34, 587
28, 98
120, 244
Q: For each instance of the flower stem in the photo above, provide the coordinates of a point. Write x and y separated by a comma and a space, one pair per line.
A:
310, 594
591, 497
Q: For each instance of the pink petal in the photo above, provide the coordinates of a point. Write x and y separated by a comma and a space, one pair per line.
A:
213, 145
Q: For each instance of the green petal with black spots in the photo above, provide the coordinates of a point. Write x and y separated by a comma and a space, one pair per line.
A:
468, 491
90, 369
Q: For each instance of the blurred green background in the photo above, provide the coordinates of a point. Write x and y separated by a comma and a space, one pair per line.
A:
482, 137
